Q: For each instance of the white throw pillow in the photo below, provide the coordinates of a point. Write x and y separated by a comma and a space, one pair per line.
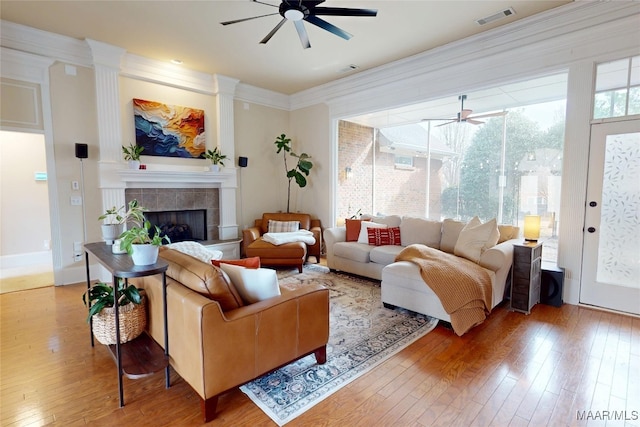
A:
196, 250
363, 237
253, 284
475, 238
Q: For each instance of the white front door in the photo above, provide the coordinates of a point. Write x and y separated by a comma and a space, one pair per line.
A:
611, 253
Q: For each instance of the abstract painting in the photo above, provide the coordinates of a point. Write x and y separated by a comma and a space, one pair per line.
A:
169, 130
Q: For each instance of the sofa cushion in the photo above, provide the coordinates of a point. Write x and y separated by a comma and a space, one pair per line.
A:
475, 238
353, 251
283, 226
196, 250
363, 237
385, 255
384, 236
450, 231
389, 220
253, 284
353, 229
421, 230
251, 262
201, 277
507, 232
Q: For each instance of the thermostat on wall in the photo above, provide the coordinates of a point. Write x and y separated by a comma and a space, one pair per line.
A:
40, 176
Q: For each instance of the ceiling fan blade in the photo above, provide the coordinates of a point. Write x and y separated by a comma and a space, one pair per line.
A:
327, 26
272, 32
302, 33
474, 122
267, 4
448, 123
344, 11
235, 21
439, 119
465, 113
482, 116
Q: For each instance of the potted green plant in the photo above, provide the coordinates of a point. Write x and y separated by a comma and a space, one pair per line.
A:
132, 154
216, 158
142, 242
299, 171
131, 311
116, 217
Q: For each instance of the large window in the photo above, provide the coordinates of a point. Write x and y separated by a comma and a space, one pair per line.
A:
504, 165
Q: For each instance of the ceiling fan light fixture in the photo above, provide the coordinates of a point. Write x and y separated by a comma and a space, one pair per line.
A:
294, 15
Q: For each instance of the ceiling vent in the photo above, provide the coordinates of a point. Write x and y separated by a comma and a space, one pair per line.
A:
496, 16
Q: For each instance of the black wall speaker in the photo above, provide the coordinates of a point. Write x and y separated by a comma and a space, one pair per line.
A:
243, 162
551, 286
82, 151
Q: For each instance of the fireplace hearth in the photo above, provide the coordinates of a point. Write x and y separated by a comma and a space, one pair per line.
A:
182, 225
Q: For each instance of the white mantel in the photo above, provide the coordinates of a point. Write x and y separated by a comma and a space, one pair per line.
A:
226, 178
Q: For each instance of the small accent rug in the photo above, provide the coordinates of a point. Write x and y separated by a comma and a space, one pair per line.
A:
362, 334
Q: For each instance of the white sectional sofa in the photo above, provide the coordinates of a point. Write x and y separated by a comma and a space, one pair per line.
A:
402, 284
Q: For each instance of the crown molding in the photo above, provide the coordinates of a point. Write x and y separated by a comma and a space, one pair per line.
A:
260, 96
24, 66
46, 44
539, 33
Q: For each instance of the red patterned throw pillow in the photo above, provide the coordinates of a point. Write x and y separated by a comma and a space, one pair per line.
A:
384, 236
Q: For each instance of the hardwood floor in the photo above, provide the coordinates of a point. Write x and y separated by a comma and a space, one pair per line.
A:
547, 368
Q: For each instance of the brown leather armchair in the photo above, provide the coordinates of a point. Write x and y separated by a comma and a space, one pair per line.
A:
216, 341
294, 253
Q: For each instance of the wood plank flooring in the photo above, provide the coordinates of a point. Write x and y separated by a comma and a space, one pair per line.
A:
557, 367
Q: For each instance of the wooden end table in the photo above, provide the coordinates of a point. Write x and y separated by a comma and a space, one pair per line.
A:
142, 356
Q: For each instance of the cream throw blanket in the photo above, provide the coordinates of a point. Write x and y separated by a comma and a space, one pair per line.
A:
464, 288
304, 236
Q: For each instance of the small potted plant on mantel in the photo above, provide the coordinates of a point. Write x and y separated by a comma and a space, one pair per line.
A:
132, 154
131, 310
142, 242
216, 158
115, 218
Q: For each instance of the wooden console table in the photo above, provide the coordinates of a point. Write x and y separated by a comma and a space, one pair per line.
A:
142, 356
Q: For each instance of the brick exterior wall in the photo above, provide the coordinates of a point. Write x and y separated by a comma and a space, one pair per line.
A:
397, 190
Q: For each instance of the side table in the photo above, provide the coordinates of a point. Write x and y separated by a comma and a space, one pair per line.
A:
526, 276
142, 356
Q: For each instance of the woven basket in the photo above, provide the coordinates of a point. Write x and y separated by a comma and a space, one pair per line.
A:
133, 320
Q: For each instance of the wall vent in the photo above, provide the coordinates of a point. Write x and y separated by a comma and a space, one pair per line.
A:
496, 16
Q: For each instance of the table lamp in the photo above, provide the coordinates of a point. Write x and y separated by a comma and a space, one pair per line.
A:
531, 228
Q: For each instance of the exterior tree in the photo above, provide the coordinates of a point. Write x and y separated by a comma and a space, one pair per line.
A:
479, 176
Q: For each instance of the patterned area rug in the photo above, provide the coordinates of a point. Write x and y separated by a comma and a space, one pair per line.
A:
362, 335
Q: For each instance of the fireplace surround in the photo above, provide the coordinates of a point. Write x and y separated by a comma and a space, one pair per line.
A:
163, 203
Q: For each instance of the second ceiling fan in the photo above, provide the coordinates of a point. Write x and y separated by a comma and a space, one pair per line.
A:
307, 10
464, 115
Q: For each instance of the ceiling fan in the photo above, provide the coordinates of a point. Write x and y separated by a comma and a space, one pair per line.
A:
464, 116
307, 10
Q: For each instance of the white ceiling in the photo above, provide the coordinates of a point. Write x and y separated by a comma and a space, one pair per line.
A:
191, 31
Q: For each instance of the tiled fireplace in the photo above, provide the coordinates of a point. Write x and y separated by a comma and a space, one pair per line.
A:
171, 191
183, 205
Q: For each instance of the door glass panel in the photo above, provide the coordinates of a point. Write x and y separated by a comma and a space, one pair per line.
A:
618, 254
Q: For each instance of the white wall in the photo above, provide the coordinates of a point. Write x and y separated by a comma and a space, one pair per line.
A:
25, 231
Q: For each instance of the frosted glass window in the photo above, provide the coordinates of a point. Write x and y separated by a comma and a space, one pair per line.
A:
618, 254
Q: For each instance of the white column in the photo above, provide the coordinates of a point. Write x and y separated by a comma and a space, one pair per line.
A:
224, 90
106, 60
